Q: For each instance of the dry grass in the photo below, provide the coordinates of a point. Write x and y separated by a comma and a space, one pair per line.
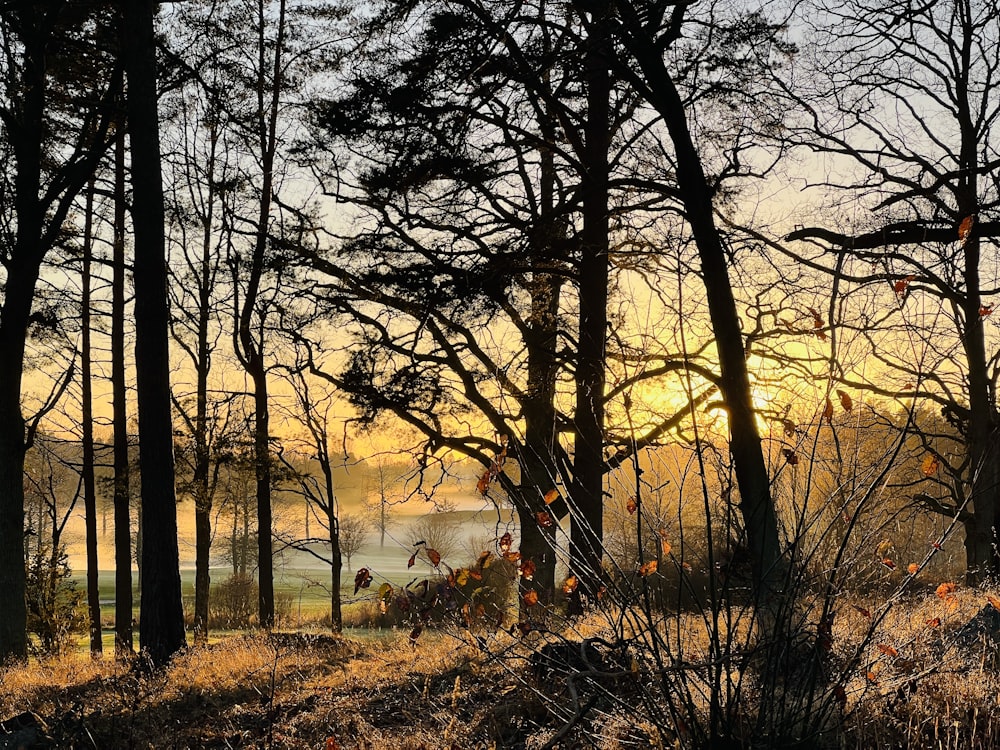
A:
912, 687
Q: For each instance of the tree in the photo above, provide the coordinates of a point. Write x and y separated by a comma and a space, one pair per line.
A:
45, 110
469, 156
353, 534
161, 624
646, 33
904, 103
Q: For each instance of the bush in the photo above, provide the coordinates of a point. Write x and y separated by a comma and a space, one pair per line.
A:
55, 605
234, 602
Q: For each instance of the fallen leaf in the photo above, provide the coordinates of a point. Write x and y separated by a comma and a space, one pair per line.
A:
887, 650
945, 590
912, 569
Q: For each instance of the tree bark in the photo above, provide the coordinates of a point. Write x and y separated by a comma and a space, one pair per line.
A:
87, 418
124, 643
161, 623
587, 493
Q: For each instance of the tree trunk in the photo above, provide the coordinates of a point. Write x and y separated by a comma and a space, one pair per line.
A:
87, 418
756, 505
587, 531
161, 623
336, 567
22, 275
124, 644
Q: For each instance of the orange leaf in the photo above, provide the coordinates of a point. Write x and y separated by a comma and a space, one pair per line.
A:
871, 677
413, 559
929, 465
531, 598
631, 506
435, 556
550, 496
965, 228
945, 590
512, 557
888, 563
527, 569
863, 611
647, 568
828, 411
934, 622
887, 650
484, 483
544, 519
686, 566
994, 602
331, 744
570, 585
913, 569
845, 400
665, 547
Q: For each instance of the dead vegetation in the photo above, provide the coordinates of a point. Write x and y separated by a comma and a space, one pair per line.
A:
917, 684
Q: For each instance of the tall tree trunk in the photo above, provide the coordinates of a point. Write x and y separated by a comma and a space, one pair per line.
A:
22, 275
250, 349
756, 504
161, 623
124, 644
587, 530
87, 418
336, 567
201, 481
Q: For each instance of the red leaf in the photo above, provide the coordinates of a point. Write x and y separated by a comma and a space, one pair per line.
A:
888, 563
435, 556
985, 310
631, 506
527, 569
544, 519
412, 560
902, 285
887, 650
505, 542
362, 580
331, 744
863, 611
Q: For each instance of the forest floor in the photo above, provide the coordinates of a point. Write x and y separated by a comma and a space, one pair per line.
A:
449, 689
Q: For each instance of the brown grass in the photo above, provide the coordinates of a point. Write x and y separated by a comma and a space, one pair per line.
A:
297, 691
